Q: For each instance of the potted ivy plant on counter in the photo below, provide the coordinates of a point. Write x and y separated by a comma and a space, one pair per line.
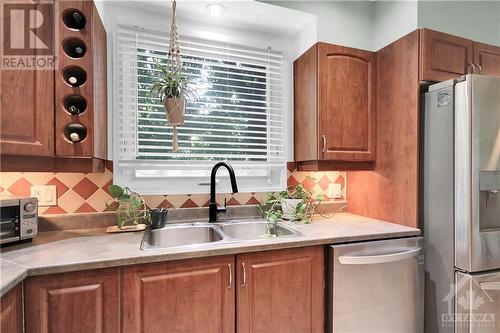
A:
130, 210
295, 204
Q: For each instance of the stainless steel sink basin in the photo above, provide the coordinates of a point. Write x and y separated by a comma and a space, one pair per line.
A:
193, 234
176, 235
250, 230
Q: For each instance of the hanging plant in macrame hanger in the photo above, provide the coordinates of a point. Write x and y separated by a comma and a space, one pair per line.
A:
171, 86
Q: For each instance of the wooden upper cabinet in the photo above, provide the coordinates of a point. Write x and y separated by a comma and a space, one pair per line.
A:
335, 103
180, 296
281, 291
87, 301
488, 57
444, 56
27, 98
11, 313
347, 85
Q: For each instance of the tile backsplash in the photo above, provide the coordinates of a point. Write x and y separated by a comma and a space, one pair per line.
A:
85, 193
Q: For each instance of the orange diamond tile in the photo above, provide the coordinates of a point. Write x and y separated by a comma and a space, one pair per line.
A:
308, 183
85, 208
60, 187
233, 202
324, 182
292, 181
252, 201
189, 204
55, 210
21, 187
85, 188
340, 180
165, 204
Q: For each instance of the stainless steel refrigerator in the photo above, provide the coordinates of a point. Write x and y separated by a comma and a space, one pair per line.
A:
461, 205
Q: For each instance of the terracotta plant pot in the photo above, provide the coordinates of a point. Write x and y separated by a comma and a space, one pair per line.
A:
175, 108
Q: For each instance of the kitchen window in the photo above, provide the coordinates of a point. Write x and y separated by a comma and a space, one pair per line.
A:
239, 116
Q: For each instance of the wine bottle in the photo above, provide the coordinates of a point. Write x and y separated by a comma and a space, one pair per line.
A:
74, 19
74, 76
75, 104
75, 132
74, 48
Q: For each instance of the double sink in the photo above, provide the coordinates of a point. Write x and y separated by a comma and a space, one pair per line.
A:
198, 233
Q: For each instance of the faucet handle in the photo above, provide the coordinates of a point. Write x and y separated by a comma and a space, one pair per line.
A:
223, 208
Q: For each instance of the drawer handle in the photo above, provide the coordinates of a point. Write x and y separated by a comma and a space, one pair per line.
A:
324, 143
379, 259
230, 283
244, 284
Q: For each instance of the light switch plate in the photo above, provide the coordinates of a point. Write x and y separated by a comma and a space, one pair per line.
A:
335, 191
46, 195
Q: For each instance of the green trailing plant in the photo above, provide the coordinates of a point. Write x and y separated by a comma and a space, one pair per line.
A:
172, 84
131, 208
272, 209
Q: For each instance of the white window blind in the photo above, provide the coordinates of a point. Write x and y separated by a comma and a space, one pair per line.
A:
239, 115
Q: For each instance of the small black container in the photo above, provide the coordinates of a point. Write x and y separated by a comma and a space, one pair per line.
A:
158, 218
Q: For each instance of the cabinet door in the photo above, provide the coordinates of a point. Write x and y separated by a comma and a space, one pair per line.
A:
87, 301
347, 96
443, 56
11, 315
281, 291
180, 296
27, 100
488, 57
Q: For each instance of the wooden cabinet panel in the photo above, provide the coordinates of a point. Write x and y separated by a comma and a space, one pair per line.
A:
347, 85
27, 102
390, 191
87, 301
488, 57
306, 106
443, 56
11, 313
180, 296
281, 291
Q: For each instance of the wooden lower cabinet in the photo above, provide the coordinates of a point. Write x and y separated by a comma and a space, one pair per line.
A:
11, 313
281, 291
180, 296
87, 301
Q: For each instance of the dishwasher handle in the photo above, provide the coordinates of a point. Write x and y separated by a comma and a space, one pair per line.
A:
491, 285
379, 259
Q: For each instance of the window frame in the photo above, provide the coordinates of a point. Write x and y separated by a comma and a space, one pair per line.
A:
190, 184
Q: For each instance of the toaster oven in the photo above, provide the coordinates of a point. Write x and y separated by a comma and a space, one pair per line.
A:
18, 219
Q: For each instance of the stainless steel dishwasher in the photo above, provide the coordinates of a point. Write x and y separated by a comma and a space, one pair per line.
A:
376, 286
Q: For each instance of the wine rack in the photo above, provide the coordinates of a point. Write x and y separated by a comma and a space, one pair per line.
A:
81, 104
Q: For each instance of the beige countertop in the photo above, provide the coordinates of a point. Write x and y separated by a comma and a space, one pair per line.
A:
73, 250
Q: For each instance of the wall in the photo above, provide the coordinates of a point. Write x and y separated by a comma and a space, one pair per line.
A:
85, 193
477, 20
392, 20
346, 23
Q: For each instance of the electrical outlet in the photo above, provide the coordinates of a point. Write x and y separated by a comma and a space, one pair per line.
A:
46, 195
334, 191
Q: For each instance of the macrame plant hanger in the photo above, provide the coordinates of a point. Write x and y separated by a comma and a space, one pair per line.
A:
176, 115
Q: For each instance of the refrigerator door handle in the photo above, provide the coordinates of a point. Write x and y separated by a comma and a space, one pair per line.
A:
378, 259
492, 285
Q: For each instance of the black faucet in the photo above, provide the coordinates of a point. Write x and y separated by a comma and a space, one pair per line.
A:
212, 207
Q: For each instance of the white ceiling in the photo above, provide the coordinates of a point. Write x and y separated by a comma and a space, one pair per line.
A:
241, 14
